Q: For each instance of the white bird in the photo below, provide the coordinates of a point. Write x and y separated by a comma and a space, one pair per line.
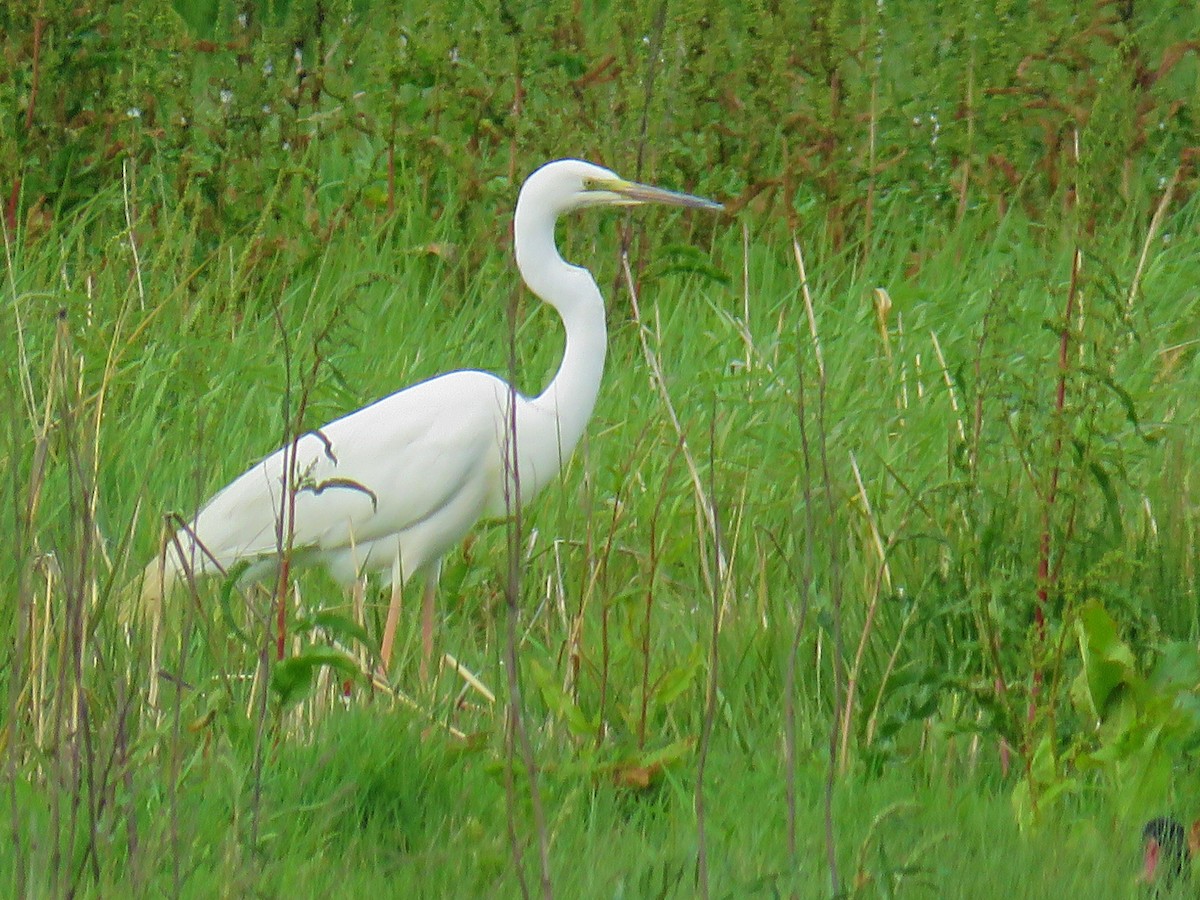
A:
395, 485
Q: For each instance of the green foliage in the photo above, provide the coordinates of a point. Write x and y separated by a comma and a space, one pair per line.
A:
228, 222
292, 678
840, 110
1144, 724
1133, 729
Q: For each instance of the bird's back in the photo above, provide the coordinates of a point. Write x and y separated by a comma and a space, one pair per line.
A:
377, 473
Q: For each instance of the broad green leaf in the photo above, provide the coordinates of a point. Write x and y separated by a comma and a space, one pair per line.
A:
1178, 667
1107, 660
292, 679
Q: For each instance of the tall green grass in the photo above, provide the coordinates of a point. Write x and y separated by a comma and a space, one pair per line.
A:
861, 499
141, 410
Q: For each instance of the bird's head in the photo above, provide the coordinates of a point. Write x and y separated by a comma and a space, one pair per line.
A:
1168, 849
568, 184
560, 187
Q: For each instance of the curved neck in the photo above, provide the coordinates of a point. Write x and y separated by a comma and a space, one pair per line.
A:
571, 394
568, 400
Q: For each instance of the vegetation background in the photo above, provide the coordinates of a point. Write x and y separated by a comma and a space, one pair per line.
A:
877, 574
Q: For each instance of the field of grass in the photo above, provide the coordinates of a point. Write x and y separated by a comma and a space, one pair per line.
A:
881, 548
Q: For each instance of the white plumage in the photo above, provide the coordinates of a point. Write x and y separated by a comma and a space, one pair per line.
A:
397, 484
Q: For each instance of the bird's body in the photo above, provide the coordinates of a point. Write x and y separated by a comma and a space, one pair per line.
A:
395, 485
411, 507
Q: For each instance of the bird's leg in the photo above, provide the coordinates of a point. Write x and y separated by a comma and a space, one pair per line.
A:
427, 610
358, 593
393, 618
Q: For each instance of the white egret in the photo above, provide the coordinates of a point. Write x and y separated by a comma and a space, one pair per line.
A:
397, 484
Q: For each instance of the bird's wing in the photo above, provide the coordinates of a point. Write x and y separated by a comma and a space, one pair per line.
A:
373, 473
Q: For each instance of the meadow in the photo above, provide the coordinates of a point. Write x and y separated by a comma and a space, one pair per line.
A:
876, 571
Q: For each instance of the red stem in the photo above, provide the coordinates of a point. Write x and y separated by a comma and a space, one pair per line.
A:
39, 25
1064, 347
10, 208
281, 607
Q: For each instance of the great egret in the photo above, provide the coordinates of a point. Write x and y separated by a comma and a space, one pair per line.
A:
397, 484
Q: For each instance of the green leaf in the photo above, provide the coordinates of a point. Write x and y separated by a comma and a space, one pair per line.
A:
1178, 667
560, 703
670, 754
225, 599
1035, 795
1112, 504
1143, 778
675, 681
292, 679
338, 626
1108, 662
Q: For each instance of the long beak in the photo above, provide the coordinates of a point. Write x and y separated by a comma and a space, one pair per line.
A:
631, 193
1150, 862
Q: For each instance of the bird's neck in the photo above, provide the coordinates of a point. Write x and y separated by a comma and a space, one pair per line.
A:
562, 410
571, 395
